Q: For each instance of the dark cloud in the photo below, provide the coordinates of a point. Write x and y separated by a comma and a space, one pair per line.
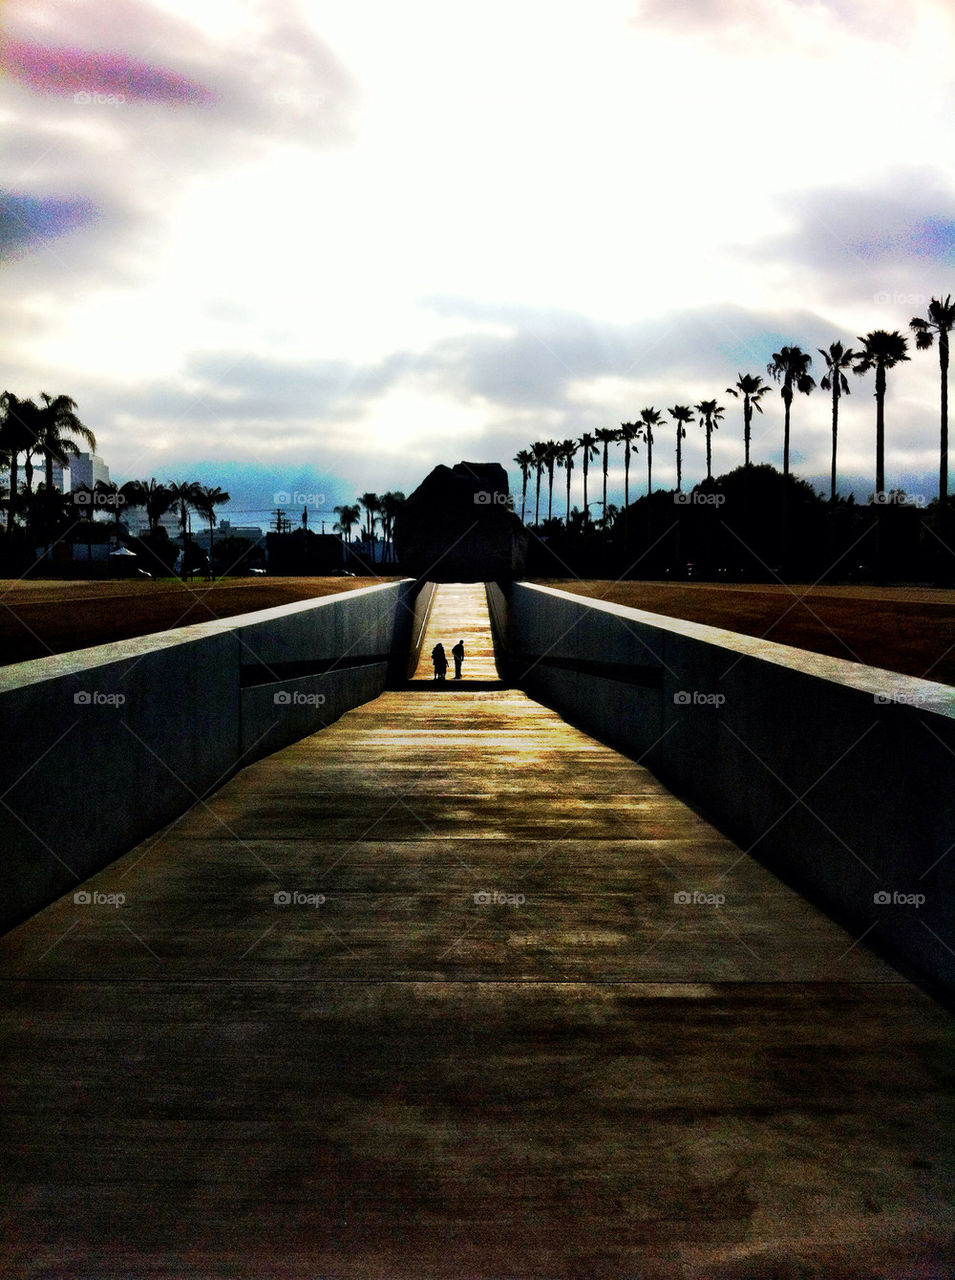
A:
888, 239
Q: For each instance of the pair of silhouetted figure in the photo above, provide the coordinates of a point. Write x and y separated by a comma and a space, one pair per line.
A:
440, 661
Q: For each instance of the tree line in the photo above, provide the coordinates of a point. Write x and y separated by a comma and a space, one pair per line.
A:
880, 351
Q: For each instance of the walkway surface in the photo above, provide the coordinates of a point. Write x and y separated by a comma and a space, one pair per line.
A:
477, 1033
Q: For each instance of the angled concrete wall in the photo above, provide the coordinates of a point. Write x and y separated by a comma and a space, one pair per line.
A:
106, 745
838, 776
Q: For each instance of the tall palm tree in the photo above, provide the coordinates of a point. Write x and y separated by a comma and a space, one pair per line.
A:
372, 504
941, 319
588, 450
550, 461
710, 414
525, 462
606, 436
566, 452
752, 388
348, 516
55, 417
389, 506
682, 414
790, 366
838, 359
185, 497
650, 418
629, 431
538, 460
206, 500
880, 351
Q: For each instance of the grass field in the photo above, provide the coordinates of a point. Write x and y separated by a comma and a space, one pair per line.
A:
41, 617
910, 630
905, 629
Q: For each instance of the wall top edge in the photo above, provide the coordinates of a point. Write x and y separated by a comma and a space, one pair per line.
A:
877, 681
19, 675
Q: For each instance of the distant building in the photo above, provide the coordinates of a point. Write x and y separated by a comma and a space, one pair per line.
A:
83, 469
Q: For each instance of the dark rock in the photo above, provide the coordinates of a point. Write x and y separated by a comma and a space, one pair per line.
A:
459, 526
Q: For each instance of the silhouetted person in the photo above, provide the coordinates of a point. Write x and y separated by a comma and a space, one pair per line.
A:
440, 661
457, 653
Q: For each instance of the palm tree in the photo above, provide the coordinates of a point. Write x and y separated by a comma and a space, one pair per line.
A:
54, 417
348, 517
649, 418
588, 449
372, 504
683, 414
206, 500
881, 351
941, 319
525, 462
116, 497
16, 437
566, 452
538, 461
838, 359
550, 460
790, 365
629, 431
391, 503
710, 414
606, 436
157, 500
752, 388
183, 494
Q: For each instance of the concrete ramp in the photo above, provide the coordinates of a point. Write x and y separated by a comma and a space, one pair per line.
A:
450, 989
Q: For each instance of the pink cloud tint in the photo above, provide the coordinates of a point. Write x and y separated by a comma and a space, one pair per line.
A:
65, 72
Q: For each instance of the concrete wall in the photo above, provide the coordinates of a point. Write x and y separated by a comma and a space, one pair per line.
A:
105, 746
838, 776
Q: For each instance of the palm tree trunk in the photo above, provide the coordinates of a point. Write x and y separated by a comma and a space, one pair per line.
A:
14, 483
747, 420
649, 466
835, 434
537, 503
943, 451
679, 461
787, 404
567, 521
606, 465
586, 507
880, 429
709, 451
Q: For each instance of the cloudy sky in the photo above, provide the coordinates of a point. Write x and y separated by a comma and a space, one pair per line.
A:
320, 247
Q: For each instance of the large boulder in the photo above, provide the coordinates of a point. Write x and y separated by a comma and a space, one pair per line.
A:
459, 526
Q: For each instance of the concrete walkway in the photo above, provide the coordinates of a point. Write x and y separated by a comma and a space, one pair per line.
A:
459, 612
500, 1044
